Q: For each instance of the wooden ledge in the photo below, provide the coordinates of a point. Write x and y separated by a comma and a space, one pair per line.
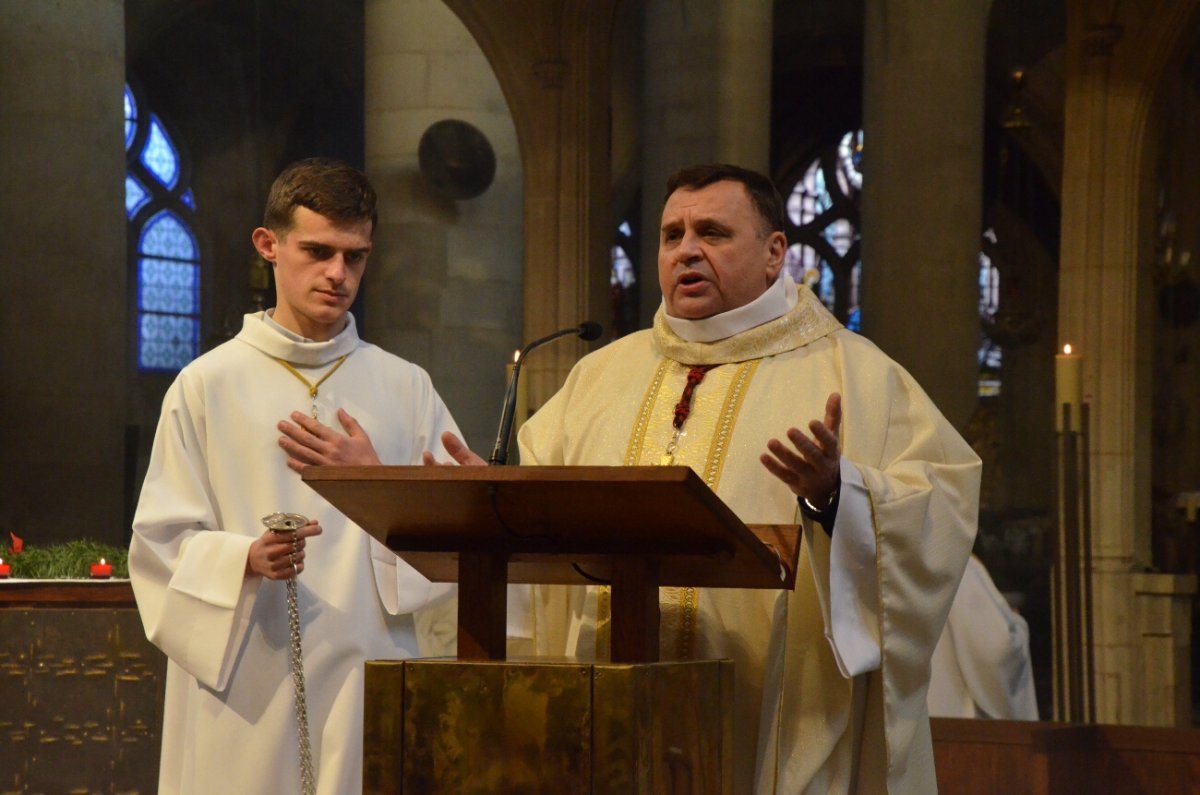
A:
66, 593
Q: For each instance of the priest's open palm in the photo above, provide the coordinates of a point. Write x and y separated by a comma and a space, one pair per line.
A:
310, 441
812, 467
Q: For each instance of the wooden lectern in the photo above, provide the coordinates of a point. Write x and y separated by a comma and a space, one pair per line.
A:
632, 528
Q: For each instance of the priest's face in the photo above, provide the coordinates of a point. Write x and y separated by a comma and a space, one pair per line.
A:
715, 252
318, 266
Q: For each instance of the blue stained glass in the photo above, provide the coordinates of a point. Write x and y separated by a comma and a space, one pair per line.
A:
840, 234
165, 235
130, 118
849, 175
167, 286
622, 269
167, 342
136, 197
825, 291
159, 156
168, 256
809, 198
807, 268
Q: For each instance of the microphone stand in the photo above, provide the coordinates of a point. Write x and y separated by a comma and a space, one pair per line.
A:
587, 330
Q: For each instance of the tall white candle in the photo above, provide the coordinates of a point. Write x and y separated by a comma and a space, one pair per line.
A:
1068, 387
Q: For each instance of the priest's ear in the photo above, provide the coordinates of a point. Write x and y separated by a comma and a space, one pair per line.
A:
265, 242
776, 250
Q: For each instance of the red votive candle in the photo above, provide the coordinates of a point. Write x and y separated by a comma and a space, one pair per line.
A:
101, 570
5, 570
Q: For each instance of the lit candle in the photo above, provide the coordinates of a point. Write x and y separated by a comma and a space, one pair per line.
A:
5, 570
101, 570
1068, 387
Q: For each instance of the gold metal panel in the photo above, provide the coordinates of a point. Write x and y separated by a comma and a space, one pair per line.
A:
540, 727
383, 726
663, 728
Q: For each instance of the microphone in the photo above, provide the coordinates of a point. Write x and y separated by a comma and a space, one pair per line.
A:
588, 330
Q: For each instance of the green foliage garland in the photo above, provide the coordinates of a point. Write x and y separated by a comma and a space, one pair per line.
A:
72, 560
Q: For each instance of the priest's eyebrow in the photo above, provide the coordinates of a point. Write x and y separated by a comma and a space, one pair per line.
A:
704, 225
325, 251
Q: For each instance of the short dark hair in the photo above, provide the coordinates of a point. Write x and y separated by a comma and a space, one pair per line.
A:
763, 195
326, 186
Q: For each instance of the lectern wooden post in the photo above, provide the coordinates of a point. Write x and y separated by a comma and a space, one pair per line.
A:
633, 528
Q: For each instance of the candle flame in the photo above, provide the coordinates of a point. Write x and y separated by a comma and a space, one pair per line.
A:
516, 356
101, 561
1067, 349
1, 561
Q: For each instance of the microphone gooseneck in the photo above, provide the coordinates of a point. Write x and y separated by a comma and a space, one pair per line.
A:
587, 330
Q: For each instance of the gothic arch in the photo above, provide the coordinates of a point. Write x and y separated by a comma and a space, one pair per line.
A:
551, 59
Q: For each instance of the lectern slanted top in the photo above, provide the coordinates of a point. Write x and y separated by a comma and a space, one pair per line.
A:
636, 528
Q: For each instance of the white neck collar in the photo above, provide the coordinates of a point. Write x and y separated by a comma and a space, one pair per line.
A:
776, 301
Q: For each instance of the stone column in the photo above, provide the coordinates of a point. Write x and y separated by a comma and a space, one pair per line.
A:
444, 286
707, 98
65, 323
1116, 56
922, 193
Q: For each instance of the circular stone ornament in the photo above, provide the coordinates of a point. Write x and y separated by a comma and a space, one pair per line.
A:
457, 159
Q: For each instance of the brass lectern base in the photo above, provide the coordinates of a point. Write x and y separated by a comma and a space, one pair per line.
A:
447, 726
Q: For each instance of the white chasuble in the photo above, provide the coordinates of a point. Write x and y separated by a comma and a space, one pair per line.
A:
830, 678
215, 471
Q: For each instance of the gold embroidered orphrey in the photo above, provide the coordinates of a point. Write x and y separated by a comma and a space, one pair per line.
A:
682, 603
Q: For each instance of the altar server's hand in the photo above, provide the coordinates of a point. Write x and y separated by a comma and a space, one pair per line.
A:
458, 450
309, 441
280, 556
813, 469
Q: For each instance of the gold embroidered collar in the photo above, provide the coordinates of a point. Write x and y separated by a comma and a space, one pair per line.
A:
806, 323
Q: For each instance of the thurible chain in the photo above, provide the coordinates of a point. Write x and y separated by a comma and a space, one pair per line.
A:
289, 523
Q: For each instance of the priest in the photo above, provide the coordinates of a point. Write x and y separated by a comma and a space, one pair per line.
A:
830, 678
296, 386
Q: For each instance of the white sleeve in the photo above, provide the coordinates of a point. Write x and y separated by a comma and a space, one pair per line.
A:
991, 642
188, 577
843, 565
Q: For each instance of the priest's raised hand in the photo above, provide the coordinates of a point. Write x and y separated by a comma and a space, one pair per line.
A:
813, 469
309, 441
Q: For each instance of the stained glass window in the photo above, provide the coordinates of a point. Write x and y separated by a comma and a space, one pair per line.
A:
823, 210
167, 342
136, 197
824, 215
622, 279
989, 302
159, 156
622, 268
166, 260
130, 118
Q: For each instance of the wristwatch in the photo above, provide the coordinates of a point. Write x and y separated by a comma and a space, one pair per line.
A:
825, 516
